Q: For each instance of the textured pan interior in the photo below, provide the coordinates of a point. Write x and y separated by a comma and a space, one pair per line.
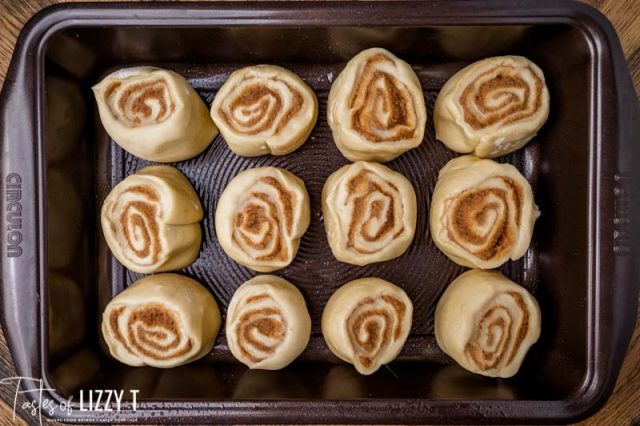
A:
554, 268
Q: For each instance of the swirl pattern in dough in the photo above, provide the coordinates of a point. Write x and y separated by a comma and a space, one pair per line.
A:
369, 213
150, 220
366, 322
261, 216
154, 114
482, 212
264, 109
162, 320
268, 324
487, 323
492, 107
376, 108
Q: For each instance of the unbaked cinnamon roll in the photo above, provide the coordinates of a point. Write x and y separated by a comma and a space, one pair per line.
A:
151, 220
487, 323
369, 213
366, 323
154, 114
268, 324
492, 107
482, 212
261, 216
376, 107
264, 109
162, 320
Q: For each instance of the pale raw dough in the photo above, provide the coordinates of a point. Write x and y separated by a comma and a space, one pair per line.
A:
154, 114
162, 320
482, 212
264, 109
492, 107
376, 107
261, 216
356, 309
268, 324
487, 323
151, 220
369, 213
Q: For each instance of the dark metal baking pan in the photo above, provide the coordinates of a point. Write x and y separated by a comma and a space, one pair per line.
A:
58, 164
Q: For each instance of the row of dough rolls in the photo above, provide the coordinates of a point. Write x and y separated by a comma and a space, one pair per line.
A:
484, 321
375, 109
482, 214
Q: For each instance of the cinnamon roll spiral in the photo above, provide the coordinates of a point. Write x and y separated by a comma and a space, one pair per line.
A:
487, 323
264, 109
150, 220
261, 216
162, 320
492, 107
482, 212
154, 114
268, 324
369, 213
366, 323
376, 108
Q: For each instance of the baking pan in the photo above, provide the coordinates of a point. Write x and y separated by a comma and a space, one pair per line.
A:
58, 164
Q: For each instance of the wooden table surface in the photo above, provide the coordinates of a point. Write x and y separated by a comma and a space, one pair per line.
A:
624, 406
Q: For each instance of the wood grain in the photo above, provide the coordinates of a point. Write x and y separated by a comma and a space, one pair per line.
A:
624, 406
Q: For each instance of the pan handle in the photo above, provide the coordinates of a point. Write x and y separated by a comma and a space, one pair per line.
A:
621, 282
21, 192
